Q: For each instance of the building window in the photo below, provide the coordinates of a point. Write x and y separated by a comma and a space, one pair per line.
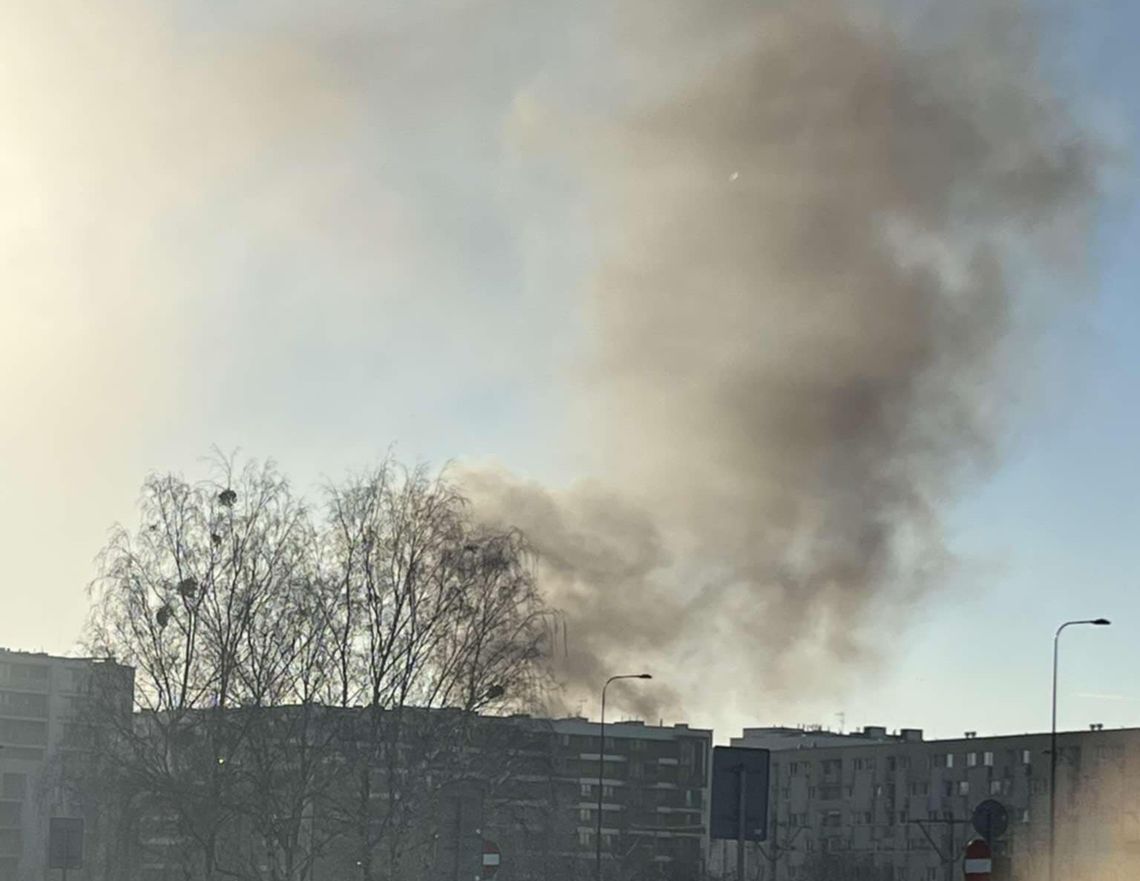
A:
971, 760
963, 787
1025, 816
585, 839
995, 787
14, 786
586, 789
22, 704
988, 759
949, 760
1026, 757
584, 814
23, 732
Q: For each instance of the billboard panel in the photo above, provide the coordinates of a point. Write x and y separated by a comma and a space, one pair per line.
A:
734, 767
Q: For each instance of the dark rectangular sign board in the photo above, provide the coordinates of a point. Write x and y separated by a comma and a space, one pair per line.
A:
65, 843
734, 767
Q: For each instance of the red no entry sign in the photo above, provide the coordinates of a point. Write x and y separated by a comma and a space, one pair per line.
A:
979, 860
492, 857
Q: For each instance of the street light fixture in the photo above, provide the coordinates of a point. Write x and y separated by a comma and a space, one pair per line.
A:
1095, 622
602, 764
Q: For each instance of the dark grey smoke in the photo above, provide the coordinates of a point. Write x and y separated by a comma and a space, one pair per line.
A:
810, 253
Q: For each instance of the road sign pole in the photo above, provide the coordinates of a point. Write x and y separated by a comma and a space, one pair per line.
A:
458, 834
741, 826
950, 851
774, 842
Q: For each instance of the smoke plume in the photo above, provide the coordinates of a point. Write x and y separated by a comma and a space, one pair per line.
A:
809, 243
292, 227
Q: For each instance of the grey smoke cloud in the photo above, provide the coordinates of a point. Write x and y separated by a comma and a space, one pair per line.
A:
811, 228
292, 230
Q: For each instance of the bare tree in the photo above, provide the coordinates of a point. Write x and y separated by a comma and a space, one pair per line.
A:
430, 612
306, 686
204, 600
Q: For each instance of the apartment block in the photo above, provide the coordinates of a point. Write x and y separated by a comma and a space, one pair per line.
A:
895, 807
654, 795
42, 701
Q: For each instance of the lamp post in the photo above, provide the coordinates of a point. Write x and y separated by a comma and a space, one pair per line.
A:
602, 764
1096, 622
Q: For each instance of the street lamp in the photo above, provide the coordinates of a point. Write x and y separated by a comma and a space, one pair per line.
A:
1096, 622
602, 763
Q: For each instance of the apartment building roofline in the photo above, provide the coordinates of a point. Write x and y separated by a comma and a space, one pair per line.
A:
780, 739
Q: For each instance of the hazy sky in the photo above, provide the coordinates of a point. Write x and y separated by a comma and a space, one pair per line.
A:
315, 234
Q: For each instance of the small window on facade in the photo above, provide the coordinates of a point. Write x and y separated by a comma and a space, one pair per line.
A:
963, 787
988, 759
971, 760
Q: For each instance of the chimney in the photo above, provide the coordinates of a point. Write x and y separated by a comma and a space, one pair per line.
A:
911, 735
